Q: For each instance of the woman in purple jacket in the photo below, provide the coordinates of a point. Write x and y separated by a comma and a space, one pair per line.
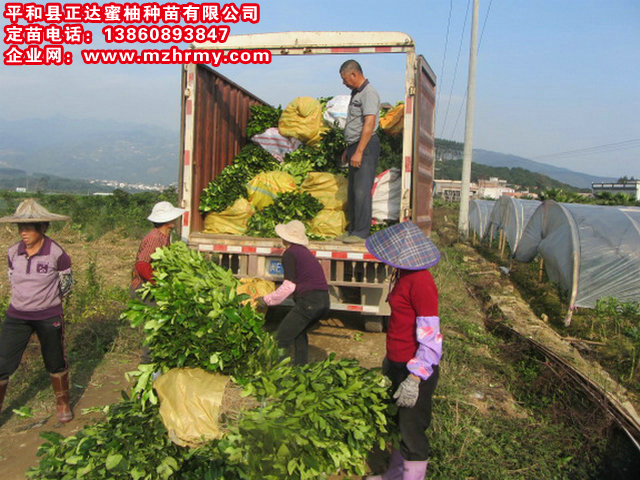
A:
40, 275
305, 280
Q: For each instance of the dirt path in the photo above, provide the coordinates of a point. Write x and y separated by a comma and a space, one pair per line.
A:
20, 438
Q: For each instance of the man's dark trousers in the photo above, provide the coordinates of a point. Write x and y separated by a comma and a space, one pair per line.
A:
360, 184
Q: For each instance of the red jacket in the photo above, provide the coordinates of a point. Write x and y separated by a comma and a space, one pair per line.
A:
414, 295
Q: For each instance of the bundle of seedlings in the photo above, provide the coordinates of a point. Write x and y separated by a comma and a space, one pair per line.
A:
198, 320
231, 183
286, 207
312, 421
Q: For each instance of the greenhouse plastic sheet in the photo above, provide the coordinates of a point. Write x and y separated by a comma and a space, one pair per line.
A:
479, 213
591, 251
511, 216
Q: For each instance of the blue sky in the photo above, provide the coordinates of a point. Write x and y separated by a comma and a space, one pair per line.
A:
552, 76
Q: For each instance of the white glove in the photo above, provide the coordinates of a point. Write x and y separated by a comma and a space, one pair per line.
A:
407, 393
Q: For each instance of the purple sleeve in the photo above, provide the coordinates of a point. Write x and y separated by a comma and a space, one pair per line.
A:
429, 347
64, 262
289, 266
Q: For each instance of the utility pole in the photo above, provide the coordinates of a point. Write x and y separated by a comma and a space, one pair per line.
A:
463, 218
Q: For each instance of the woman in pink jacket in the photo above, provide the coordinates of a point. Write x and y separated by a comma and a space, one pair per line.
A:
414, 342
40, 276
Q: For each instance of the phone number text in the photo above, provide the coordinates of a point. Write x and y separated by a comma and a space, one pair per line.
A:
165, 34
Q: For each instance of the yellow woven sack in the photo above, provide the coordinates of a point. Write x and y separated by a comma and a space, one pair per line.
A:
328, 223
302, 119
266, 186
190, 400
232, 221
329, 188
255, 287
393, 121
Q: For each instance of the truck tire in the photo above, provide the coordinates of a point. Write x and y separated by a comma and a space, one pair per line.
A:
373, 323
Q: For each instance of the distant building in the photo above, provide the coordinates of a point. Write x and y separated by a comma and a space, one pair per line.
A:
449, 190
630, 188
21, 189
494, 188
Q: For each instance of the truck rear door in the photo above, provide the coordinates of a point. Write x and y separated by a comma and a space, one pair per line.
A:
423, 146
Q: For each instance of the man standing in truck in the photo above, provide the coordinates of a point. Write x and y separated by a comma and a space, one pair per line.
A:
363, 149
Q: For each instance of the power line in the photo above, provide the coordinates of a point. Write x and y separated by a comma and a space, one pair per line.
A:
484, 24
605, 148
455, 70
446, 44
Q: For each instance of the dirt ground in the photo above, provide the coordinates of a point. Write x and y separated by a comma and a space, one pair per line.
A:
20, 437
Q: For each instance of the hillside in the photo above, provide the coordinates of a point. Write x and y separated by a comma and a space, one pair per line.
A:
13, 178
91, 149
536, 182
577, 179
449, 150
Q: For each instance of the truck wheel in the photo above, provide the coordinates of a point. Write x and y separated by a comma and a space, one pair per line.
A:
373, 324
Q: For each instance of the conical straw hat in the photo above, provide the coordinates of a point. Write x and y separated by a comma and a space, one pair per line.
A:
30, 211
293, 232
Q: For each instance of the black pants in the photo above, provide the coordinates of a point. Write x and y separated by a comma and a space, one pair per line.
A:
14, 338
413, 422
360, 184
309, 308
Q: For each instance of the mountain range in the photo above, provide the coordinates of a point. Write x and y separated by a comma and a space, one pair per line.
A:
90, 149
576, 179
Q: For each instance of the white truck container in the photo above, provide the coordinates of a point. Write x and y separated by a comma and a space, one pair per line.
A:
214, 116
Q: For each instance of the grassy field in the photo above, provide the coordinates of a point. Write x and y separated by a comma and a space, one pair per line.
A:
500, 411
608, 334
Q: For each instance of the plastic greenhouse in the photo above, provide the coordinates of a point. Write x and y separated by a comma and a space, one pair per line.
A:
479, 212
591, 251
510, 215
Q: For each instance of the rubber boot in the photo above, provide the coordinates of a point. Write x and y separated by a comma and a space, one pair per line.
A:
394, 472
414, 470
3, 391
60, 384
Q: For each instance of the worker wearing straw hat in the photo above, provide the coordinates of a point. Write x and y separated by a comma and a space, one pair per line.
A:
304, 278
40, 276
414, 342
163, 216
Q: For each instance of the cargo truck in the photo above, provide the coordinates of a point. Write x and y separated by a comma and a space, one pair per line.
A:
214, 116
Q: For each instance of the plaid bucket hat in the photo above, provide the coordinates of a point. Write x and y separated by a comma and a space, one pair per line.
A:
403, 246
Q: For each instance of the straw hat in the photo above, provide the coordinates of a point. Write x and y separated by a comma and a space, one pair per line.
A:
30, 211
403, 245
163, 212
293, 232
